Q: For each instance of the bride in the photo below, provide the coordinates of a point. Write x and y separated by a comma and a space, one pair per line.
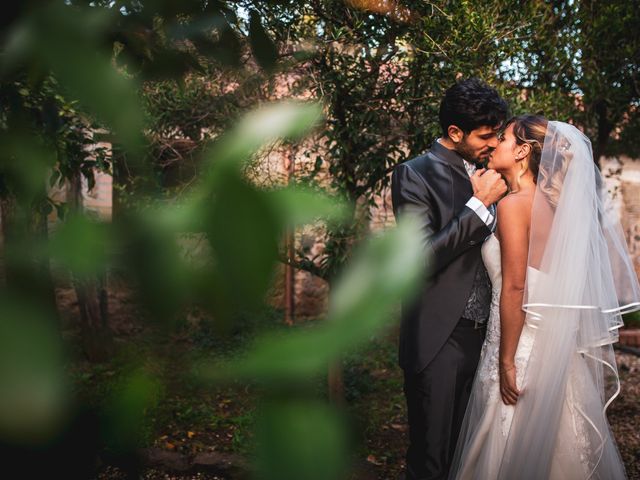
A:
561, 279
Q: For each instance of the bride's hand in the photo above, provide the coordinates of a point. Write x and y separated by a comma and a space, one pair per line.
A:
508, 389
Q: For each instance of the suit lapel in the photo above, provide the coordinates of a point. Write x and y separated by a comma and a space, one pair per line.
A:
460, 183
452, 158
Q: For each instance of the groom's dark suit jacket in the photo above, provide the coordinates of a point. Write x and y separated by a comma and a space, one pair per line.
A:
436, 187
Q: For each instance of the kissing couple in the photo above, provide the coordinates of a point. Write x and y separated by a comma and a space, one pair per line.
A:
507, 348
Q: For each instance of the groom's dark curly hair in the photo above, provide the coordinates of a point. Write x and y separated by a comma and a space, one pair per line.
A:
470, 104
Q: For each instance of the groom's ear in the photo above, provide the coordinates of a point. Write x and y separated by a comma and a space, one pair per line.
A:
455, 133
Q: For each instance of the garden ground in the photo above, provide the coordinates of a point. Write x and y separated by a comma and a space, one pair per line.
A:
215, 424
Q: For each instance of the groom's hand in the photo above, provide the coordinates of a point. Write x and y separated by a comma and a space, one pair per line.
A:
488, 186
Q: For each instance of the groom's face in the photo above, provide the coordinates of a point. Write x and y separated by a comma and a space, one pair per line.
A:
478, 144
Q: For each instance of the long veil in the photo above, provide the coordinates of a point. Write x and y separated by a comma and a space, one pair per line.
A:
580, 280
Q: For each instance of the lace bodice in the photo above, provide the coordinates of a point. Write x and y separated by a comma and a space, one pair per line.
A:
491, 258
488, 367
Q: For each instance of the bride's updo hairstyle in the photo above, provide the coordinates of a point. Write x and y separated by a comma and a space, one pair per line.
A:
530, 129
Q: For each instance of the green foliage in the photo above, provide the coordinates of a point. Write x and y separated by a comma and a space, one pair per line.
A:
631, 320
80, 244
33, 403
242, 224
149, 75
361, 303
208, 338
292, 436
381, 73
126, 412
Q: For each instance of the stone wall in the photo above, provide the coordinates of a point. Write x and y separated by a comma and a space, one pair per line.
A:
311, 293
623, 179
631, 219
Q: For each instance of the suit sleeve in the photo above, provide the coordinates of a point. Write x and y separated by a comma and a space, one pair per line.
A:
410, 195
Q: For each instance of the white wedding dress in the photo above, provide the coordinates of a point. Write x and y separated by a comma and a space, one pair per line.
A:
580, 280
486, 427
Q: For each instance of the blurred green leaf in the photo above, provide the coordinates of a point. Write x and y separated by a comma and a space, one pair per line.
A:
243, 224
227, 155
301, 440
81, 244
25, 162
127, 410
69, 40
384, 271
299, 206
283, 120
243, 231
153, 254
33, 388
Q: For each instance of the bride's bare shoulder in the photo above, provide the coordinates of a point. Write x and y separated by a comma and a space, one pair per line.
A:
515, 204
514, 216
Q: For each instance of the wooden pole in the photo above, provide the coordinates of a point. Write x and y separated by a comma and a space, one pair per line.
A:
289, 272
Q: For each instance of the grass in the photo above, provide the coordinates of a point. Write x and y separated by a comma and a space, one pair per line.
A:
373, 390
191, 418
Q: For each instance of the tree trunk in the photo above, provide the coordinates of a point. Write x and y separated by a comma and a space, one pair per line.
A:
118, 182
97, 338
22, 272
289, 271
42, 266
336, 383
10, 272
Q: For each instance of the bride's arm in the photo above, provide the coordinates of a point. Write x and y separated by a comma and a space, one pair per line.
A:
513, 230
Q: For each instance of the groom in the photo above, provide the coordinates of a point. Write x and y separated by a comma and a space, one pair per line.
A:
442, 329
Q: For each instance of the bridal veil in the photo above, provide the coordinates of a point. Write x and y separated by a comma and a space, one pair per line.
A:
580, 280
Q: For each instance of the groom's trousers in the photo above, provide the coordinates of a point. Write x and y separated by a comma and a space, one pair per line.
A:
437, 398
